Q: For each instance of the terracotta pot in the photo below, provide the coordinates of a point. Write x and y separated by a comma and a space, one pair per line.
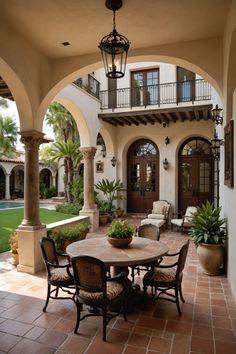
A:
211, 257
103, 219
120, 242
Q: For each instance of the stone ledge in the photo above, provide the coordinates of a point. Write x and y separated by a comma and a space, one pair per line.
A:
68, 222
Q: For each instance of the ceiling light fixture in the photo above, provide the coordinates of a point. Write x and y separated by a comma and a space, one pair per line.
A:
114, 47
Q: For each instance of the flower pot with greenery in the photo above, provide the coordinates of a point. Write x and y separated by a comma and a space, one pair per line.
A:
13, 241
120, 233
111, 191
104, 215
62, 237
208, 232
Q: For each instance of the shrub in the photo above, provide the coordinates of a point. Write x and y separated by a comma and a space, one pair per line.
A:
69, 208
71, 234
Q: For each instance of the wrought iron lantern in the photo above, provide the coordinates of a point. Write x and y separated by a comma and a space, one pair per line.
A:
215, 146
166, 164
114, 47
216, 117
113, 161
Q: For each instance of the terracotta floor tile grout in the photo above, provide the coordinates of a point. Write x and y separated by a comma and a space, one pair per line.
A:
208, 299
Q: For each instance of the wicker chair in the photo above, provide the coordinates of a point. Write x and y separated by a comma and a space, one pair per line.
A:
151, 232
60, 276
166, 277
95, 289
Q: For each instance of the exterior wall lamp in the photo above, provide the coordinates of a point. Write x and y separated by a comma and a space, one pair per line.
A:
113, 161
215, 146
165, 164
167, 140
216, 117
114, 46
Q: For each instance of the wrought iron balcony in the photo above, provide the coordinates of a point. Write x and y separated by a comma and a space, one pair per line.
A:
89, 84
161, 94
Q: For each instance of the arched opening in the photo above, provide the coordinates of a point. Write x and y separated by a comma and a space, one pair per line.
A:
195, 170
142, 176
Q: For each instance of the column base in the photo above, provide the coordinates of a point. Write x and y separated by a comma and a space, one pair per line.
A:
93, 215
30, 257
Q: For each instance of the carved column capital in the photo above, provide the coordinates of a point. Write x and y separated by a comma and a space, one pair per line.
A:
32, 139
88, 152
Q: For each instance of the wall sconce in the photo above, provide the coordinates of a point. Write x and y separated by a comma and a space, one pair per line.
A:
167, 140
113, 161
216, 115
216, 143
166, 164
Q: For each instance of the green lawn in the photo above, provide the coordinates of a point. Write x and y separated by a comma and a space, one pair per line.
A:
10, 219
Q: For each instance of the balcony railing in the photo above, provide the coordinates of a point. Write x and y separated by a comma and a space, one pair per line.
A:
168, 93
89, 84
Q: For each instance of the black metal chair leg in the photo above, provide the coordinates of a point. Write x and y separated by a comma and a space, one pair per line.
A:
48, 296
79, 309
177, 300
104, 317
181, 294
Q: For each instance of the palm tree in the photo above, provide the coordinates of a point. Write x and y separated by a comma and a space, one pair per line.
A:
3, 103
8, 136
69, 151
62, 122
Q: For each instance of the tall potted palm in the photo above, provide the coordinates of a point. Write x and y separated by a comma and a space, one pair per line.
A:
208, 232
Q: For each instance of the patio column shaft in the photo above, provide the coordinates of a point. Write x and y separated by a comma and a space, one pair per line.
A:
89, 208
31, 140
7, 186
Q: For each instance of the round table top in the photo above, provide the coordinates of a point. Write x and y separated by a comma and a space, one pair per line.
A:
140, 251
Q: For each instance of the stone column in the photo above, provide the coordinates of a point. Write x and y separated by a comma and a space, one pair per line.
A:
7, 186
31, 230
89, 208
31, 140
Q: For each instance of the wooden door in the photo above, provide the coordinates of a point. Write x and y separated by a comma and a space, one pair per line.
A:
195, 174
143, 176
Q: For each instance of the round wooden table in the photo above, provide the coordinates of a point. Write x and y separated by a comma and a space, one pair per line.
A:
140, 251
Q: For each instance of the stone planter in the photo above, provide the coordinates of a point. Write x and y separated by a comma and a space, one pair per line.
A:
120, 242
211, 257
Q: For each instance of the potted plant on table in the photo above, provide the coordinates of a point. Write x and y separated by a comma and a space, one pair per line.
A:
208, 232
120, 233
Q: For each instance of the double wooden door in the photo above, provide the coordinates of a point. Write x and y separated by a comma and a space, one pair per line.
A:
143, 176
195, 181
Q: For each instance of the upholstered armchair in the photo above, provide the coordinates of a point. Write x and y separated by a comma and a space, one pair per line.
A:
160, 211
185, 222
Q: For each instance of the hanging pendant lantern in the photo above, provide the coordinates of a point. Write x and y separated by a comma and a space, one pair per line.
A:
114, 47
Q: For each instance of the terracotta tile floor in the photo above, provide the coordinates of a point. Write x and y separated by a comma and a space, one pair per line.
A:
207, 326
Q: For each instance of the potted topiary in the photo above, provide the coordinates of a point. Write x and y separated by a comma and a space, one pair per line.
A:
62, 237
208, 232
120, 233
13, 241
